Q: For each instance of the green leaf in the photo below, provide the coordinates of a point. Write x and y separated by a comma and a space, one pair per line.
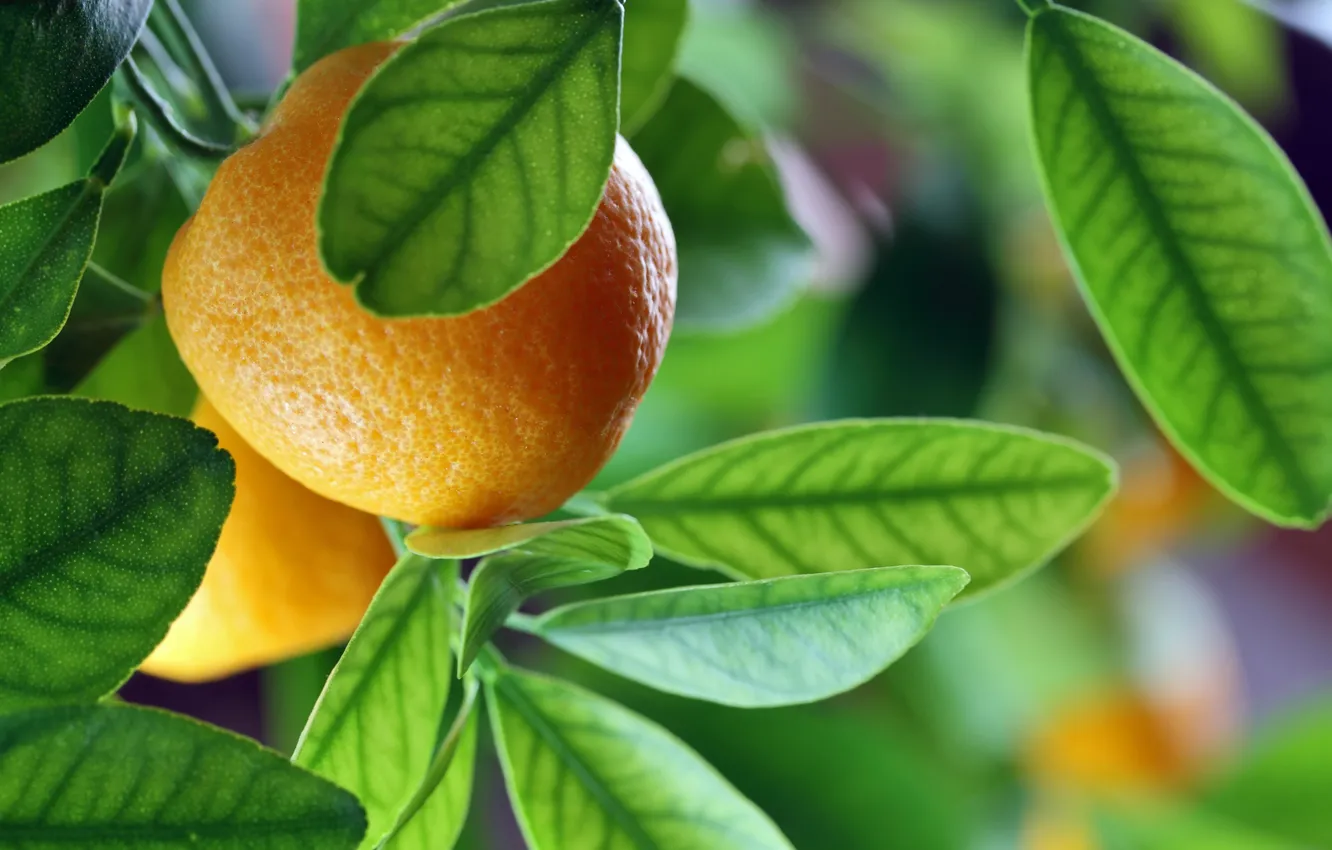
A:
119, 776
764, 643
1283, 783
537, 557
54, 59
144, 371
45, 243
742, 256
374, 728
1156, 826
1201, 255
107, 520
585, 772
435, 815
845, 495
326, 26
474, 157
652, 33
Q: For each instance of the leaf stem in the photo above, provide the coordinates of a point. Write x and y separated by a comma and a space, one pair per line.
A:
1034, 7
396, 530
158, 113
175, 28
521, 622
489, 663
118, 283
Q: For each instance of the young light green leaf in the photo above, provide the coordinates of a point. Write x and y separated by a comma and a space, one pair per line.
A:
537, 557
144, 371
436, 813
585, 772
993, 500
1151, 825
326, 26
45, 243
55, 59
1282, 784
742, 256
652, 33
474, 157
123, 776
374, 727
1200, 254
107, 520
763, 643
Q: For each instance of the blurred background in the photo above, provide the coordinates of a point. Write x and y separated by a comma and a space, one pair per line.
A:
1180, 655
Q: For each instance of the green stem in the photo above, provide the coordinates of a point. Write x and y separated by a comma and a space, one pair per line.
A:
397, 534
521, 622
1034, 7
489, 663
118, 283
158, 113
175, 28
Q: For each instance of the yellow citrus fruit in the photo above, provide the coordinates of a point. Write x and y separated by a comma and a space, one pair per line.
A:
293, 572
491, 417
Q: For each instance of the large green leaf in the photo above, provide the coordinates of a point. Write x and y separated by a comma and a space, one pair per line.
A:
845, 495
536, 557
1283, 784
652, 32
775, 642
107, 520
45, 243
54, 58
475, 157
374, 728
326, 26
1201, 255
584, 772
742, 256
118, 776
144, 371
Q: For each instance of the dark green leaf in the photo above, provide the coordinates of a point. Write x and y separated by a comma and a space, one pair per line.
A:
537, 557
107, 520
54, 58
1284, 782
742, 256
374, 728
652, 32
846, 495
585, 772
117, 776
475, 157
763, 643
22, 377
1201, 255
144, 371
45, 243
326, 26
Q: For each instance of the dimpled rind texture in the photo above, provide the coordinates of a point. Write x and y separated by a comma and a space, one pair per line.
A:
495, 416
293, 572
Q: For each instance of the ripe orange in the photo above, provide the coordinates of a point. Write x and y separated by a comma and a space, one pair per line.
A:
293, 572
494, 416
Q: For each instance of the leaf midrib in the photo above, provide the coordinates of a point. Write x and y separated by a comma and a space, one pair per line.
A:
488, 144
648, 506
535, 719
1164, 232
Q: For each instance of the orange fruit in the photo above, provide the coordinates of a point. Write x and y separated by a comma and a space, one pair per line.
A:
490, 417
292, 572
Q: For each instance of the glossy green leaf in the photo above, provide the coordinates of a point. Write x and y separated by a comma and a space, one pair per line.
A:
118, 776
474, 157
107, 519
536, 557
45, 243
1201, 255
764, 643
54, 58
326, 26
144, 371
993, 500
742, 256
374, 728
585, 772
1283, 783
435, 815
652, 33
